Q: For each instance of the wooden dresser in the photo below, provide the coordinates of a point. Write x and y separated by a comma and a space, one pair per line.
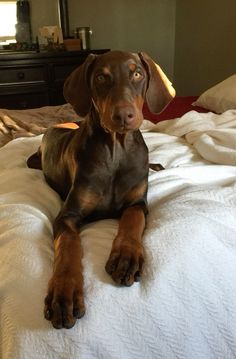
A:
30, 79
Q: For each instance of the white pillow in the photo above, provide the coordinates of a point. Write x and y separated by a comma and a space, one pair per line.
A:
219, 98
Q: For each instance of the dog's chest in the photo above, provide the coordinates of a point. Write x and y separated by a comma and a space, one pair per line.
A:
112, 176
120, 178
116, 192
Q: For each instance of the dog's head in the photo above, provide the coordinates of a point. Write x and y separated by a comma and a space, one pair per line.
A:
117, 84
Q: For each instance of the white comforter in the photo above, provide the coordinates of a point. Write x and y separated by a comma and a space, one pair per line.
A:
185, 305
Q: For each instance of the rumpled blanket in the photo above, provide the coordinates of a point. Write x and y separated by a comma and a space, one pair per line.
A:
185, 305
212, 135
28, 123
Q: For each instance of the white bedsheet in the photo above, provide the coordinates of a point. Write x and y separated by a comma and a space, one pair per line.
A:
185, 305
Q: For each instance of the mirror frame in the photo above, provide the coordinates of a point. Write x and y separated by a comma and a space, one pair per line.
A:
64, 18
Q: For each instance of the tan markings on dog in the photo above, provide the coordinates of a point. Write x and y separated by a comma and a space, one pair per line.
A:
101, 106
73, 168
135, 216
69, 125
104, 107
139, 101
68, 157
132, 67
68, 255
64, 243
88, 199
137, 192
106, 70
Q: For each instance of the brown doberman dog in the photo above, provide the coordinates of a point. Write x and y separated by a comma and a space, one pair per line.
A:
100, 171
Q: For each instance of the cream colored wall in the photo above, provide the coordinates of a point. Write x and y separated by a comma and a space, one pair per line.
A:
205, 44
193, 40
43, 13
133, 25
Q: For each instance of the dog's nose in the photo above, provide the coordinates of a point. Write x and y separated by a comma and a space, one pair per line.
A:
123, 114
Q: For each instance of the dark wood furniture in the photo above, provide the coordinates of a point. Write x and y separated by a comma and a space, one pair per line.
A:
30, 79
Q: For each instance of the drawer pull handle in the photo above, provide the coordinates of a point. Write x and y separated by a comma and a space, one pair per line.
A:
23, 104
21, 75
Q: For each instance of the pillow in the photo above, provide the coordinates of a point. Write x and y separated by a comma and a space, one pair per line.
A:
176, 108
219, 98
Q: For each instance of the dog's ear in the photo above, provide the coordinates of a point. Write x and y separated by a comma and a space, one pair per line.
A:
160, 91
76, 88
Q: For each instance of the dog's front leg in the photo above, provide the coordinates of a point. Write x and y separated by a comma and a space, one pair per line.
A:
64, 302
126, 258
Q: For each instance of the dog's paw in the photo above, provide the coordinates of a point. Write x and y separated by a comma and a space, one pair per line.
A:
64, 302
156, 167
125, 262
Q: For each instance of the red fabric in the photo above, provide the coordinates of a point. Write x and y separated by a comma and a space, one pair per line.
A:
176, 108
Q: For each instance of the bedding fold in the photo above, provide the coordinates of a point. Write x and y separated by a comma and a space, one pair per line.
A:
212, 135
31, 122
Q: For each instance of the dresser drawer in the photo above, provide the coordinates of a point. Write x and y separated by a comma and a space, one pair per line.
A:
24, 96
29, 80
23, 74
62, 71
28, 100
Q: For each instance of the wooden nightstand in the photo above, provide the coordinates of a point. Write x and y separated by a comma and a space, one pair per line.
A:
29, 80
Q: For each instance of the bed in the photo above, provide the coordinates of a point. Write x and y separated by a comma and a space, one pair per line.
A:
185, 305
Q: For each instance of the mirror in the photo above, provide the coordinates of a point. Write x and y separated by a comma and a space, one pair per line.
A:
56, 14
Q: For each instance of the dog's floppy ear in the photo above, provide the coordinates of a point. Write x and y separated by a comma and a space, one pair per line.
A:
76, 87
160, 91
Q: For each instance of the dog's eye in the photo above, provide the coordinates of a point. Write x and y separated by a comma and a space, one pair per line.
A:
137, 76
100, 78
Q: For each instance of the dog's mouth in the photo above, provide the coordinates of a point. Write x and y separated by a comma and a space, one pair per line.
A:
121, 127
121, 119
